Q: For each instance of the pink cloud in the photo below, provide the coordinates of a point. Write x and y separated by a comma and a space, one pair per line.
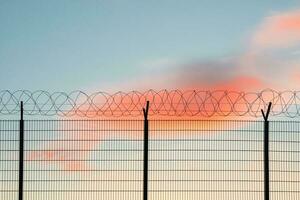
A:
295, 75
278, 31
272, 51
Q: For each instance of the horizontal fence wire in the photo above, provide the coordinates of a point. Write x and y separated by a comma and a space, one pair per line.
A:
188, 159
162, 103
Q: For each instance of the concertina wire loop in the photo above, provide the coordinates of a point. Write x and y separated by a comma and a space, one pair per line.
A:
162, 103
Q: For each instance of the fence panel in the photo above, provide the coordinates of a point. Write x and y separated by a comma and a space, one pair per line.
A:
206, 160
83, 160
188, 159
284, 160
9, 159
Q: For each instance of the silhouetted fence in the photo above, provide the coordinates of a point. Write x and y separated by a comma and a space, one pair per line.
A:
187, 159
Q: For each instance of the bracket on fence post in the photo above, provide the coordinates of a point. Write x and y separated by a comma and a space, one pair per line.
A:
146, 136
266, 152
21, 152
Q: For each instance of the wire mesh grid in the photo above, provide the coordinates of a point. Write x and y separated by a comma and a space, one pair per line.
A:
188, 159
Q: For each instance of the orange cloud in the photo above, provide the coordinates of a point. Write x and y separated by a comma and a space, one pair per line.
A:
238, 83
72, 156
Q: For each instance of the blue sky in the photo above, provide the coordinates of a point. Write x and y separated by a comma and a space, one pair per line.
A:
91, 45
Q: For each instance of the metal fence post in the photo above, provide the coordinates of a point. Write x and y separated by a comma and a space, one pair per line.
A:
146, 136
266, 153
21, 153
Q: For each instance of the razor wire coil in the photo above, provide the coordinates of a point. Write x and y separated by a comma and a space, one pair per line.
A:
162, 103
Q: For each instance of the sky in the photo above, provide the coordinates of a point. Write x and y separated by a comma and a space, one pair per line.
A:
109, 45
101, 45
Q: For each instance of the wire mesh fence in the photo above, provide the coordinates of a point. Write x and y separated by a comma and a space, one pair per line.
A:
188, 159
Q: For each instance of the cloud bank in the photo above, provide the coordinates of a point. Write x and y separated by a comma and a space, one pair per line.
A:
269, 60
